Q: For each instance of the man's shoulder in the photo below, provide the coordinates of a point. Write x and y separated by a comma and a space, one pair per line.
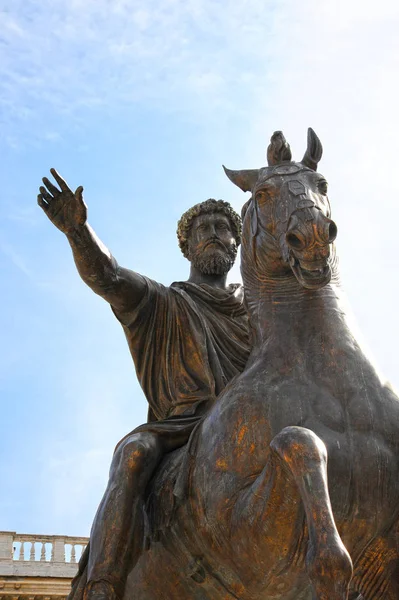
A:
155, 294
191, 285
237, 289
228, 299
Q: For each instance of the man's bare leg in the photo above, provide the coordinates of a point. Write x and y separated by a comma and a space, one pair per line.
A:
117, 534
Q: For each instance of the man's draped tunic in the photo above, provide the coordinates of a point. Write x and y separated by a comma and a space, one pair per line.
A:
187, 342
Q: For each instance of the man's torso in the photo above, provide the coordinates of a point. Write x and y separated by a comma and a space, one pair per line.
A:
187, 342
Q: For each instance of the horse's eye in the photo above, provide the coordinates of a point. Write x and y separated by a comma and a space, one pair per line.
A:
261, 196
322, 187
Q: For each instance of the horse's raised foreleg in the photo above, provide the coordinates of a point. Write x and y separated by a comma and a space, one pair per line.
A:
328, 563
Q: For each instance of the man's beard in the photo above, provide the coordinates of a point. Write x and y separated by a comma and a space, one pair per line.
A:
218, 262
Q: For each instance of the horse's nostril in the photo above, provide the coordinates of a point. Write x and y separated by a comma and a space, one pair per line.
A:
332, 231
294, 240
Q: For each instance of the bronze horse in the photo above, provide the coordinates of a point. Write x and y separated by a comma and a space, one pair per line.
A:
254, 516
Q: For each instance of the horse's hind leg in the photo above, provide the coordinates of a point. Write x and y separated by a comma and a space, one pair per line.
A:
328, 563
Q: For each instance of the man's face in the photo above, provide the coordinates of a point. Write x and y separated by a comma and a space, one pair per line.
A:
212, 246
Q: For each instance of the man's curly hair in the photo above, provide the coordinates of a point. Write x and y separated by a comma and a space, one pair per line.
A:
209, 206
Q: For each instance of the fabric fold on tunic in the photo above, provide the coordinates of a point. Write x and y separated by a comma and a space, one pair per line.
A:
187, 342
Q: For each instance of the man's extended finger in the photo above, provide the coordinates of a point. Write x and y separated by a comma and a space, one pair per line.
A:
44, 193
50, 186
63, 184
42, 203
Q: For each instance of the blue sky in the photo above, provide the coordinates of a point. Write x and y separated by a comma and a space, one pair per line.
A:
141, 103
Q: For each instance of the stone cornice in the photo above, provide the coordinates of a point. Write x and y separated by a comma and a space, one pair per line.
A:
30, 588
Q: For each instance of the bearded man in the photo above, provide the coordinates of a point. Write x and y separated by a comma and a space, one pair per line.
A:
187, 342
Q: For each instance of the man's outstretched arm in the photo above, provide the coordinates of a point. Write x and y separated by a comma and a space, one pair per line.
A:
66, 209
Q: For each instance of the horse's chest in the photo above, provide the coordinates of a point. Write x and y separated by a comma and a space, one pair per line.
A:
353, 420
351, 399
294, 400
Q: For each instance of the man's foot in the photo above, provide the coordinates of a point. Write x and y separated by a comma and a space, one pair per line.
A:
99, 590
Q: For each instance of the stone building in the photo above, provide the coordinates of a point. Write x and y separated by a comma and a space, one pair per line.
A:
38, 567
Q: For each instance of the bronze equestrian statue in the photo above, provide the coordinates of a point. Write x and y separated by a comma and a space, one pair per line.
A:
187, 341
245, 509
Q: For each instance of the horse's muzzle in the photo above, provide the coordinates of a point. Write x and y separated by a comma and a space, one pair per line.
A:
309, 227
309, 236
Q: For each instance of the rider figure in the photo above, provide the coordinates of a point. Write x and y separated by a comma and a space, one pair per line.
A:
187, 342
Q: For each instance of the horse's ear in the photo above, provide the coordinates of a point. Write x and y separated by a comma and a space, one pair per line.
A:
244, 179
313, 152
279, 149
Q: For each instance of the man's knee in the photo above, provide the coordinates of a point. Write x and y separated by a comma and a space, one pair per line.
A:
136, 452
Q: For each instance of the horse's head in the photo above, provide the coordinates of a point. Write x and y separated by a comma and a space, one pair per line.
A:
287, 226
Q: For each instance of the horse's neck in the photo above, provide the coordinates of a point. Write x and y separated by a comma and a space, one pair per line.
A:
297, 321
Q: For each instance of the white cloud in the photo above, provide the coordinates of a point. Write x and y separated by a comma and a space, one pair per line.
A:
65, 57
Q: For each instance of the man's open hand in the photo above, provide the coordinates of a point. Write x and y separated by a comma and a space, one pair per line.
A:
65, 209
